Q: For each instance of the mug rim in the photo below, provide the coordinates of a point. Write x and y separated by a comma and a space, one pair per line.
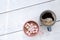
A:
54, 15
36, 25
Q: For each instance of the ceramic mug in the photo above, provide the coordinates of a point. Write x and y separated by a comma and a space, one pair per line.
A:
48, 18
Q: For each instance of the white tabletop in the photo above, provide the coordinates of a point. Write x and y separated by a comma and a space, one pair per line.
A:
14, 21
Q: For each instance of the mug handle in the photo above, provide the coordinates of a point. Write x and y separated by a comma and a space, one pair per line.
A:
49, 29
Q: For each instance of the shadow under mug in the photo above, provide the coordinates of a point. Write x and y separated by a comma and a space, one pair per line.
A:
48, 19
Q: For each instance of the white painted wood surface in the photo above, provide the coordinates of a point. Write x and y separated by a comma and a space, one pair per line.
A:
14, 21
